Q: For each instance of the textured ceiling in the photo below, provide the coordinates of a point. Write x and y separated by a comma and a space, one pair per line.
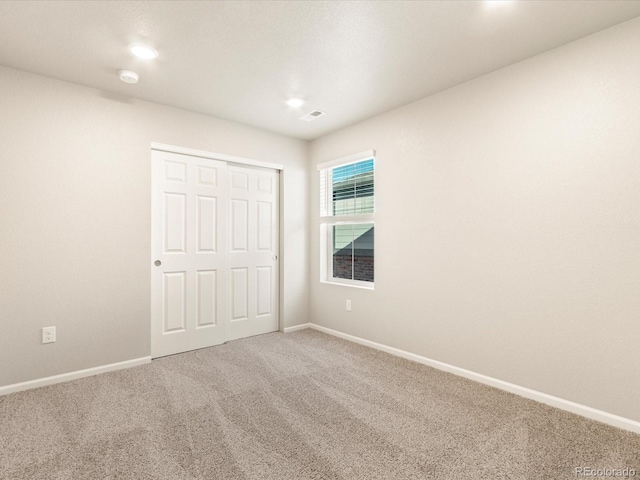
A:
242, 60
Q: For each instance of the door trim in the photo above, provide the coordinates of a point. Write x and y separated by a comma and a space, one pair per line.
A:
215, 156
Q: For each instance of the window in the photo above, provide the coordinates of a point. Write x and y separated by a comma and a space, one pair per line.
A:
347, 207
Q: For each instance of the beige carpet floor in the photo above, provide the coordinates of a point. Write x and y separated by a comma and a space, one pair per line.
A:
298, 406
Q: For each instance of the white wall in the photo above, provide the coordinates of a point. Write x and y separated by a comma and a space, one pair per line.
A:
508, 225
75, 219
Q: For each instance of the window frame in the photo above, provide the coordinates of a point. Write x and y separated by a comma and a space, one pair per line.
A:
327, 222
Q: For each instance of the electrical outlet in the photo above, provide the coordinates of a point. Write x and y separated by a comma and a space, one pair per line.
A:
48, 334
348, 305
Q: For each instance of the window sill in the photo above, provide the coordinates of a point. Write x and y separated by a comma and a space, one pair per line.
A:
345, 284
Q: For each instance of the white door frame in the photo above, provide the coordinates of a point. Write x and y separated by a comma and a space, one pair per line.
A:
231, 159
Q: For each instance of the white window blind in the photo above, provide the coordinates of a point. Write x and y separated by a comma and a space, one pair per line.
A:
347, 189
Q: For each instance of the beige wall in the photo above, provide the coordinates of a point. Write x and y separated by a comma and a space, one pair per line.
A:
508, 225
75, 219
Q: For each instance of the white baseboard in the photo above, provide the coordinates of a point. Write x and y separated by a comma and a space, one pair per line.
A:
295, 328
65, 377
569, 406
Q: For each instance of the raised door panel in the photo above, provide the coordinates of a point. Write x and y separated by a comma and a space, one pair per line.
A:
265, 184
239, 180
207, 292
175, 223
264, 290
175, 171
239, 294
239, 225
264, 227
206, 223
175, 306
207, 176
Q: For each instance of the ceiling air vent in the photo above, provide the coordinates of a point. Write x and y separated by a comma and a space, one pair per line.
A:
312, 115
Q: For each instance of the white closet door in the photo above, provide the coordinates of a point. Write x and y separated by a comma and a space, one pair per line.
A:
253, 249
189, 276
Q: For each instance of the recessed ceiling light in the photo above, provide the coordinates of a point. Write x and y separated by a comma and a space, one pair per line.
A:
127, 76
143, 51
295, 102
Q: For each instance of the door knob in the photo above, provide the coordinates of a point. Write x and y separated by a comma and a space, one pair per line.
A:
275, 257
157, 263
